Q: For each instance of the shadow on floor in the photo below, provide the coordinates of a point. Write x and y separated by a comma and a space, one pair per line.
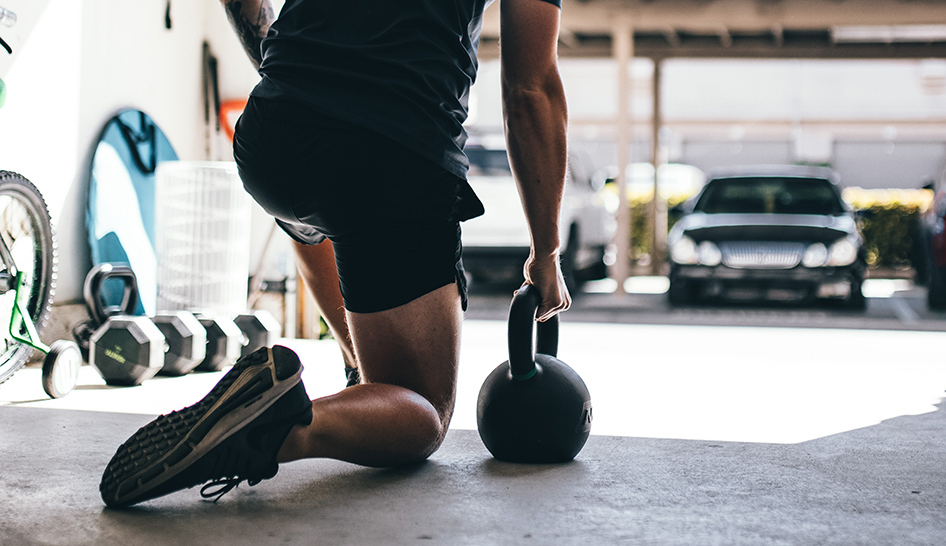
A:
884, 484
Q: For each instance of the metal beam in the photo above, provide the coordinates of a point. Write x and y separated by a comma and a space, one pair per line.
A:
725, 38
778, 36
598, 16
738, 28
673, 38
813, 44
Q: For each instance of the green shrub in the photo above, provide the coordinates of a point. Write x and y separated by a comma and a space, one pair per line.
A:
888, 223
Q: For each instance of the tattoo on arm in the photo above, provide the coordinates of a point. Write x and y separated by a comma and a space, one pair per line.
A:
251, 32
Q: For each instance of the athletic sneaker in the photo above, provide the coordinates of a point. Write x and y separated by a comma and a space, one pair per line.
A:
233, 434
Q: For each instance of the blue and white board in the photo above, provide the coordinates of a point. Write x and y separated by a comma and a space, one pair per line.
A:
120, 214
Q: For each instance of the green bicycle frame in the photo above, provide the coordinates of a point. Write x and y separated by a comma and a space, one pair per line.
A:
22, 328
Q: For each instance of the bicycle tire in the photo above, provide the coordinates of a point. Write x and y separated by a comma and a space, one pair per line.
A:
27, 229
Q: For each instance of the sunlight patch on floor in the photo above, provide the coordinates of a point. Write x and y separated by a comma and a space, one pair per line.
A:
772, 385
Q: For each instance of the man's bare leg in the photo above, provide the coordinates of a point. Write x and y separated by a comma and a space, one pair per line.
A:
408, 358
316, 264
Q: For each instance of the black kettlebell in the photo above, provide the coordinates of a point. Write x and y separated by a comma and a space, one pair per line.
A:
96, 293
533, 408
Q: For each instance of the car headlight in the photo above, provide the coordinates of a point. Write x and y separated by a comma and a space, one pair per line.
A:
839, 254
938, 226
709, 254
686, 251
842, 253
815, 255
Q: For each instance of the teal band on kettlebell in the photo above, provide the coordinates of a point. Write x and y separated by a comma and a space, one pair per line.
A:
3, 93
525, 376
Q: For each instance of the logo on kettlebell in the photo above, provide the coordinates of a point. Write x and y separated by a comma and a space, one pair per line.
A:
585, 424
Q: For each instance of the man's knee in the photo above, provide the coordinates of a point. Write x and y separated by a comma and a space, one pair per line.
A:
427, 433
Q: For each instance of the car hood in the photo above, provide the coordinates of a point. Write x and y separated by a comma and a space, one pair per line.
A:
765, 227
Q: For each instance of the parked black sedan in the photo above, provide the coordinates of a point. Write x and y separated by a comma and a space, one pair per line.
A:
770, 233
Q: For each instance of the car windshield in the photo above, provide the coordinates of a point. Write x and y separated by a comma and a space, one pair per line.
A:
485, 162
770, 195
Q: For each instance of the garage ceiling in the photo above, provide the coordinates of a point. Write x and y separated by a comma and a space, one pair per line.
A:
822, 29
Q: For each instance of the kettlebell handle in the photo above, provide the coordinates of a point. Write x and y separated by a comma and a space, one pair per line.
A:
522, 311
92, 291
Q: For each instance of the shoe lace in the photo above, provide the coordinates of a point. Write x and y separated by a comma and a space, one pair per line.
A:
233, 466
220, 487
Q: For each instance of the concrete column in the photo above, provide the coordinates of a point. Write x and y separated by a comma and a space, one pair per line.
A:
658, 208
623, 46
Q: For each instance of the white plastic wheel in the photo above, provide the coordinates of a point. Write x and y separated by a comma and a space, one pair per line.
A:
61, 368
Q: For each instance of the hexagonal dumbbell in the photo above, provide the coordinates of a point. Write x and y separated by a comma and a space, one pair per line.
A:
224, 342
127, 350
260, 328
186, 341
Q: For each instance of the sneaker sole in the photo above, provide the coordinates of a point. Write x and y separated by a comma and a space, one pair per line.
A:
256, 389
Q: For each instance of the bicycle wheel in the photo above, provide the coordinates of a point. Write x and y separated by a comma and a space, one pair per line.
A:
30, 243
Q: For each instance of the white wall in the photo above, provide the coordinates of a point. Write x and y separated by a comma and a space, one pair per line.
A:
744, 90
721, 112
39, 125
87, 59
805, 89
16, 29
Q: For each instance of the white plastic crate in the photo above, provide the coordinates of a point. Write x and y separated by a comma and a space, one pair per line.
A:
202, 237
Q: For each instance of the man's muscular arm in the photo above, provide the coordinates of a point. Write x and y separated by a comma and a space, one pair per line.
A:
536, 120
251, 20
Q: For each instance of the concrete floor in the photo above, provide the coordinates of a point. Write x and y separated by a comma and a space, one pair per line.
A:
734, 436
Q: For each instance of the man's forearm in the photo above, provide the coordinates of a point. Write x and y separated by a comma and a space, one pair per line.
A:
536, 123
251, 20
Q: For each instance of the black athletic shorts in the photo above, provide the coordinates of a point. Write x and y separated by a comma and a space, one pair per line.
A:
392, 215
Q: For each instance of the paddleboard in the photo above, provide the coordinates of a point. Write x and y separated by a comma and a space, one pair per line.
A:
121, 209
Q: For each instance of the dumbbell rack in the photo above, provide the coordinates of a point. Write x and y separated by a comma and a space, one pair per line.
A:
128, 349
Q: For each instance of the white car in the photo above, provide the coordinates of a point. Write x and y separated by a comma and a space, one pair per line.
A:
496, 244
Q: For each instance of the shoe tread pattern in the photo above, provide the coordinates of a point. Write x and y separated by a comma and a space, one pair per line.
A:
143, 452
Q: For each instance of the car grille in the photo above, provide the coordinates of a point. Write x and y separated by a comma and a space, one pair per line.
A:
761, 255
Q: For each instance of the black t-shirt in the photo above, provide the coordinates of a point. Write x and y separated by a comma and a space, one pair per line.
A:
402, 68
